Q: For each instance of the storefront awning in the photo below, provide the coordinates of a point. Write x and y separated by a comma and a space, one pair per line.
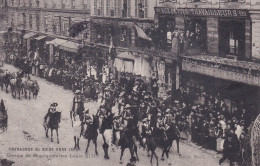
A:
40, 37
69, 46
56, 42
125, 55
28, 35
2, 32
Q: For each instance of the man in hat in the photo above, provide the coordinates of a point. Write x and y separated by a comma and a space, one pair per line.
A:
127, 116
231, 147
51, 110
168, 117
76, 101
117, 128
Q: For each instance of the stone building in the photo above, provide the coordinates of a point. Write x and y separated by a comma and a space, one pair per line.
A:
116, 24
45, 25
224, 46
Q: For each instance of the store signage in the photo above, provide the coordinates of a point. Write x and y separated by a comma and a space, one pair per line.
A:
202, 12
219, 73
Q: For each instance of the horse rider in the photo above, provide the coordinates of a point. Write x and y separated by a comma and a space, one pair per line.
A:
87, 120
118, 127
168, 117
127, 117
51, 110
160, 126
146, 129
76, 101
101, 114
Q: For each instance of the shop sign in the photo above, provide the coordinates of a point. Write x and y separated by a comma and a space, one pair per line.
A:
202, 12
219, 73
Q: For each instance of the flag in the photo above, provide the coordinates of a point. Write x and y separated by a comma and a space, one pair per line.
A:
111, 45
141, 33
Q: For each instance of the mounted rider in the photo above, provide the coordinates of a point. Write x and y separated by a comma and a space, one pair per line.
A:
87, 120
160, 127
51, 111
76, 101
117, 128
168, 117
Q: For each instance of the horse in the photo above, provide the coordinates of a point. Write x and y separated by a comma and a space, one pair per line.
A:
165, 142
6, 81
90, 133
128, 140
16, 86
30, 86
106, 131
3, 117
52, 123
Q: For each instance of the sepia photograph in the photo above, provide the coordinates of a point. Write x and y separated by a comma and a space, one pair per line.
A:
129, 82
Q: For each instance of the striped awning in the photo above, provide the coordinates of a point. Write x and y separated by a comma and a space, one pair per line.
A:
56, 42
28, 35
69, 46
40, 37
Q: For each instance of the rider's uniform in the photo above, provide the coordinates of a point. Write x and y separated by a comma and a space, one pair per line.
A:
76, 101
168, 119
117, 125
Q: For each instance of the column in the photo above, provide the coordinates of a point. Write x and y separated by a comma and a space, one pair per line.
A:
255, 19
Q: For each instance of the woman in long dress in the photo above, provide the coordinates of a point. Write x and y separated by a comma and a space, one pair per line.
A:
175, 42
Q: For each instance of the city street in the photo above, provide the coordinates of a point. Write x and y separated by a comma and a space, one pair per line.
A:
25, 130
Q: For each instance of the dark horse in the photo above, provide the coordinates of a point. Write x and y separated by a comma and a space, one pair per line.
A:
91, 133
52, 123
128, 139
5, 80
164, 141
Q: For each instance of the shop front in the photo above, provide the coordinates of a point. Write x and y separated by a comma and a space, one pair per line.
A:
29, 44
220, 32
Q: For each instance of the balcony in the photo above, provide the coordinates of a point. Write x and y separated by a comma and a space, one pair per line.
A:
223, 68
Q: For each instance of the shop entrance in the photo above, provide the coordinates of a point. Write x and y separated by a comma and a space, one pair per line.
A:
232, 38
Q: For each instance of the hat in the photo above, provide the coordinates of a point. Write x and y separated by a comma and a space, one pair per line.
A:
54, 104
127, 106
176, 102
168, 110
77, 92
145, 120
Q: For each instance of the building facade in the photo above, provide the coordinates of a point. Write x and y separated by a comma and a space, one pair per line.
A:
115, 23
38, 22
220, 45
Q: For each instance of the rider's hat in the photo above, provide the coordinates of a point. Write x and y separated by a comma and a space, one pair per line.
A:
168, 110
77, 92
145, 120
127, 106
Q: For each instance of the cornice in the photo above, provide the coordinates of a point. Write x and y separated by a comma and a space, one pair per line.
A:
78, 11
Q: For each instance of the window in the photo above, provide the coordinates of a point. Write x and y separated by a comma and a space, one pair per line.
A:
37, 22
111, 8
124, 11
99, 7
37, 3
196, 29
232, 37
30, 21
73, 4
24, 21
141, 8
